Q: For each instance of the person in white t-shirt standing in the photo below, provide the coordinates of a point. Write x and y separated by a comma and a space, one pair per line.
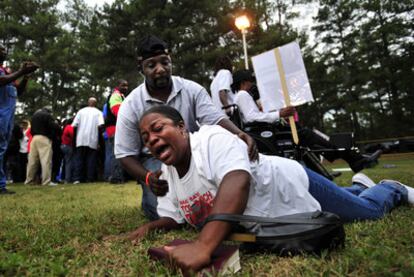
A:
209, 172
220, 88
88, 125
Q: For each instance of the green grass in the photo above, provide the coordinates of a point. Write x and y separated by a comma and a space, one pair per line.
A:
49, 231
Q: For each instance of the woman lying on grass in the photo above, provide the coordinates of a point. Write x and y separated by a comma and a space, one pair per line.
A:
209, 172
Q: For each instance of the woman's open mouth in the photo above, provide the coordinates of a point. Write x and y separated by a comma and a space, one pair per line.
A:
163, 152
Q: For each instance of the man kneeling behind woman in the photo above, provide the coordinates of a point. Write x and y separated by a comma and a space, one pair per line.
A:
209, 172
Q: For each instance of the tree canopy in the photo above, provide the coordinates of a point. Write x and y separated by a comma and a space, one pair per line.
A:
360, 65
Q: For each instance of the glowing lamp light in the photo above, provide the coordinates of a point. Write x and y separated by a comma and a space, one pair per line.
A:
242, 22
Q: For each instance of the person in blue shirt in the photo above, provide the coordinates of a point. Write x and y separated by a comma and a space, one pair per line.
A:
9, 90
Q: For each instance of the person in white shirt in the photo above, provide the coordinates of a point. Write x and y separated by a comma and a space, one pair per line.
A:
220, 87
243, 81
88, 125
209, 172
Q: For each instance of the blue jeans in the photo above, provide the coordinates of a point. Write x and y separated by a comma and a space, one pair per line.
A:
86, 159
67, 157
356, 202
116, 171
4, 140
8, 94
109, 152
149, 200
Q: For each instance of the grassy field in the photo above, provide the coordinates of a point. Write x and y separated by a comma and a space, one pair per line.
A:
49, 231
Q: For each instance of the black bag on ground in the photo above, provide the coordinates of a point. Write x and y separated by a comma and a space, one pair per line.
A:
287, 235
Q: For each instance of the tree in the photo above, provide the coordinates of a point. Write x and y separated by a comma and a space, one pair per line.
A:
369, 62
388, 60
336, 30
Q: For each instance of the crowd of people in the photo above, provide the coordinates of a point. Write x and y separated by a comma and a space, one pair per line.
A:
190, 159
45, 151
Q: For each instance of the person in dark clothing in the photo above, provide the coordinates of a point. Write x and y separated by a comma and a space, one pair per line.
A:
57, 154
44, 129
11, 161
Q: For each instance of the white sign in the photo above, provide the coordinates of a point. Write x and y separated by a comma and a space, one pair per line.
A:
268, 77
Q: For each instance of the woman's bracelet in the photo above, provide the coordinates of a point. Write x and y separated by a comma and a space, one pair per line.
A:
149, 173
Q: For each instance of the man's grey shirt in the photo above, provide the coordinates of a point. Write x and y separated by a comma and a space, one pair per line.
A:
188, 97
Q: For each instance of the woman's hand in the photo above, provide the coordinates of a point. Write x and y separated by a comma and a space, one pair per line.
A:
158, 186
189, 257
134, 236
138, 234
251, 144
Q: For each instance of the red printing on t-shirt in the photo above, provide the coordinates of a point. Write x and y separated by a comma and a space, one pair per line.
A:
197, 207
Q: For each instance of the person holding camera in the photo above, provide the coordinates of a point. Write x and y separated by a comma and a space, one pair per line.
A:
9, 90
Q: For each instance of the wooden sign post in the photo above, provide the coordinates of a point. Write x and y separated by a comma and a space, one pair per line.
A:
286, 95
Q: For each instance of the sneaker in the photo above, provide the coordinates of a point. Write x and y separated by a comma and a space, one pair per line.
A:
51, 184
362, 179
76, 182
410, 190
5, 191
365, 161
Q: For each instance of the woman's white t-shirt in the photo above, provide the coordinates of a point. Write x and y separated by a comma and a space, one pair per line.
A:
278, 186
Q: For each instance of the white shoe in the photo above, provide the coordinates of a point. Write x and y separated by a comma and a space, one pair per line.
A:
76, 182
51, 184
409, 189
363, 179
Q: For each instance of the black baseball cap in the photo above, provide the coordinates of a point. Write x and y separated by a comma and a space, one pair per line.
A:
151, 46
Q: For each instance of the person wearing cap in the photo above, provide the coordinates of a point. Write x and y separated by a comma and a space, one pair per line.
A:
243, 81
220, 87
9, 90
161, 88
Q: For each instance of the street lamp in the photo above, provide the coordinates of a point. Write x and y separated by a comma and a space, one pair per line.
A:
242, 23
